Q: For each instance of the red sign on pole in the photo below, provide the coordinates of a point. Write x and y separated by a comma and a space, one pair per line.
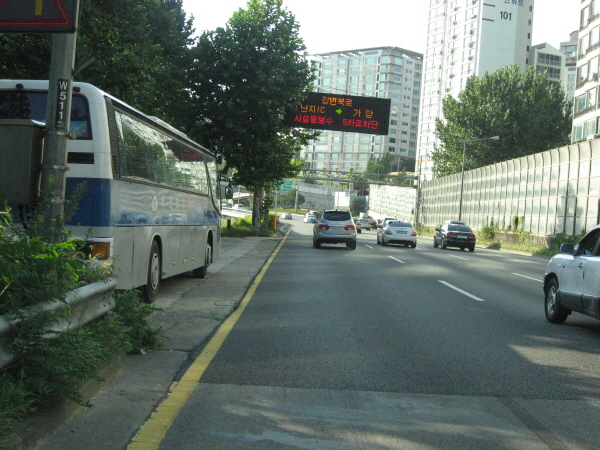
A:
42, 16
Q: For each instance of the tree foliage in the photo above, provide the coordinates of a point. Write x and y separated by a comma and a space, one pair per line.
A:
288, 199
379, 165
245, 77
140, 50
528, 112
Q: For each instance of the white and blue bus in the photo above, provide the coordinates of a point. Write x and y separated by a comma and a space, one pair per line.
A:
151, 199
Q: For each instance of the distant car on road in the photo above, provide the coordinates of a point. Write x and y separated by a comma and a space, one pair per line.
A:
334, 227
397, 232
357, 224
572, 280
310, 218
239, 206
286, 215
455, 235
365, 223
373, 223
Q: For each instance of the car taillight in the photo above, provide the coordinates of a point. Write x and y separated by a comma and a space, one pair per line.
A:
323, 226
471, 236
451, 235
414, 234
388, 232
349, 227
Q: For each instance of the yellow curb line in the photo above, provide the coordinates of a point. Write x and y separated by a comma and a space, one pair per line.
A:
154, 430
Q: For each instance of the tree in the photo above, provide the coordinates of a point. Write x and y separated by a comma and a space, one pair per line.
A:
288, 200
529, 113
358, 205
379, 165
245, 77
140, 47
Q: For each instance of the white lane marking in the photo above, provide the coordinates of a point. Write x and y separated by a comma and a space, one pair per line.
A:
368, 246
529, 278
464, 259
396, 259
461, 291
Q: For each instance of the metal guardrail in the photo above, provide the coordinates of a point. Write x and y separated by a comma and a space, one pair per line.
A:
231, 212
86, 304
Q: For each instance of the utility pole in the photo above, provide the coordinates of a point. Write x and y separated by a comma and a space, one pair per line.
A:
58, 121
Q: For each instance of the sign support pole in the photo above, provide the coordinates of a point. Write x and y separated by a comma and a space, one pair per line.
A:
58, 119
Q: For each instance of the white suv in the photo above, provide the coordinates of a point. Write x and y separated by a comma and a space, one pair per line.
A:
334, 227
572, 280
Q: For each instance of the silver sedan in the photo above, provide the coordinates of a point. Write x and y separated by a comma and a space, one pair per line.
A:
397, 232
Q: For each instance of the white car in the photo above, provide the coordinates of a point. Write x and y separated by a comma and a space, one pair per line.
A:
310, 218
397, 232
286, 215
572, 280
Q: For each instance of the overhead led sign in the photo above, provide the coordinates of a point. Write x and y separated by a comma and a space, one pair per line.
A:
324, 111
44, 16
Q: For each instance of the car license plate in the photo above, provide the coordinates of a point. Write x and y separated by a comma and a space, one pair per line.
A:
401, 232
336, 228
461, 237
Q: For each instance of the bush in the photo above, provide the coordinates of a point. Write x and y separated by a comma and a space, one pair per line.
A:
244, 228
487, 233
50, 366
32, 270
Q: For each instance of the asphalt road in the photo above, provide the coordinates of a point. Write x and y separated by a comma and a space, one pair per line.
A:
379, 348
392, 347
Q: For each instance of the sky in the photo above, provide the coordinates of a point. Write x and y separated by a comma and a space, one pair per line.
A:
336, 25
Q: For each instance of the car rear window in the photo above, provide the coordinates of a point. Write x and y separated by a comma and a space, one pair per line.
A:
336, 215
398, 223
459, 228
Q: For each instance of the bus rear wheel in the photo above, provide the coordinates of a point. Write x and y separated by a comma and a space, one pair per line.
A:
150, 290
201, 272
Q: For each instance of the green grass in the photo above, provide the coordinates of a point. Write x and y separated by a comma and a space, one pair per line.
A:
244, 228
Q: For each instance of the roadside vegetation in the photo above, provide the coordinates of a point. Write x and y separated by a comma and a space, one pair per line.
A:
50, 366
488, 236
244, 228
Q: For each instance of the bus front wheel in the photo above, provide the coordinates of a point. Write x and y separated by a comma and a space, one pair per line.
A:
201, 272
150, 290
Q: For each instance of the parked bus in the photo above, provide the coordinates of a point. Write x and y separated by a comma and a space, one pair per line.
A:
151, 199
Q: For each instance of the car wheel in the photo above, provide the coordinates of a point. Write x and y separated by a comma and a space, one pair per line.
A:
359, 231
472, 249
316, 243
555, 313
443, 244
414, 246
201, 272
462, 249
150, 289
435, 244
351, 245
383, 241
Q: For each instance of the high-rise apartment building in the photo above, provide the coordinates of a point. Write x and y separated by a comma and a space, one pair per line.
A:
586, 111
546, 58
384, 72
569, 48
465, 38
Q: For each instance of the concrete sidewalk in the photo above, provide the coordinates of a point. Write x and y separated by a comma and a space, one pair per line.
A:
192, 310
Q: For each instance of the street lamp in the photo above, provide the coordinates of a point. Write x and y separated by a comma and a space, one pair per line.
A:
462, 175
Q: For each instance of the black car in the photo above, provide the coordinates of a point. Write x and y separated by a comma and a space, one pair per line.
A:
454, 235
